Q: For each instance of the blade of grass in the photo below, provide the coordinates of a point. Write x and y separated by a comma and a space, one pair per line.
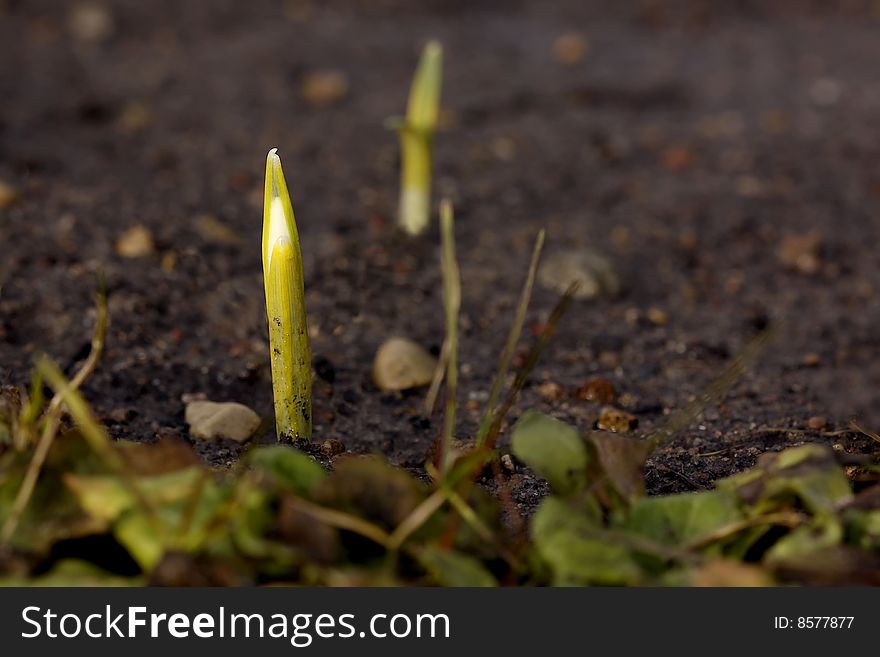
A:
342, 520
437, 381
531, 361
519, 382
512, 339
452, 307
416, 518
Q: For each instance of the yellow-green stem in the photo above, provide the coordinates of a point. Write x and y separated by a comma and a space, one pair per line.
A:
285, 310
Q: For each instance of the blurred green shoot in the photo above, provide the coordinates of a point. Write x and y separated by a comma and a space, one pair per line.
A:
417, 138
285, 308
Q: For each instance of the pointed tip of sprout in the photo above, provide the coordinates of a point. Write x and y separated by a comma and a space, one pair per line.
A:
278, 229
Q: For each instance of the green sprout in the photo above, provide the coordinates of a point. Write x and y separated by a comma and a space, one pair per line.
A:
286, 309
417, 138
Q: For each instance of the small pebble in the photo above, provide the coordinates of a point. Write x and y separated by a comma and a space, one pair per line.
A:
211, 229
825, 91
507, 463
812, 359
401, 364
800, 252
209, 420
593, 272
598, 390
8, 194
135, 116
90, 23
324, 88
678, 158
616, 420
135, 242
657, 317
817, 423
331, 447
551, 391
570, 48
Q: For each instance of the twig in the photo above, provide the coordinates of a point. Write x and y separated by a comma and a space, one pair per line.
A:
690, 482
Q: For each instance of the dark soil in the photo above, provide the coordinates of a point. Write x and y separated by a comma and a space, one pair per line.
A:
692, 140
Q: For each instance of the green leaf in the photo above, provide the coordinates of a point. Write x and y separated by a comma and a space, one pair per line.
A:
863, 528
683, 518
553, 449
289, 468
823, 533
808, 474
106, 496
577, 551
450, 568
187, 509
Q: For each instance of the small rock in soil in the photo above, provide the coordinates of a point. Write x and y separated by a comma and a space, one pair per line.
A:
331, 447
324, 88
135, 242
507, 463
91, 23
135, 116
817, 423
598, 390
401, 364
551, 391
616, 420
8, 194
593, 272
221, 420
570, 48
211, 229
801, 252
657, 317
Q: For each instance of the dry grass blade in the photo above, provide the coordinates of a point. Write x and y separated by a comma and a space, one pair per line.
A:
512, 338
418, 517
452, 307
437, 381
52, 416
865, 432
714, 393
531, 360
342, 520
